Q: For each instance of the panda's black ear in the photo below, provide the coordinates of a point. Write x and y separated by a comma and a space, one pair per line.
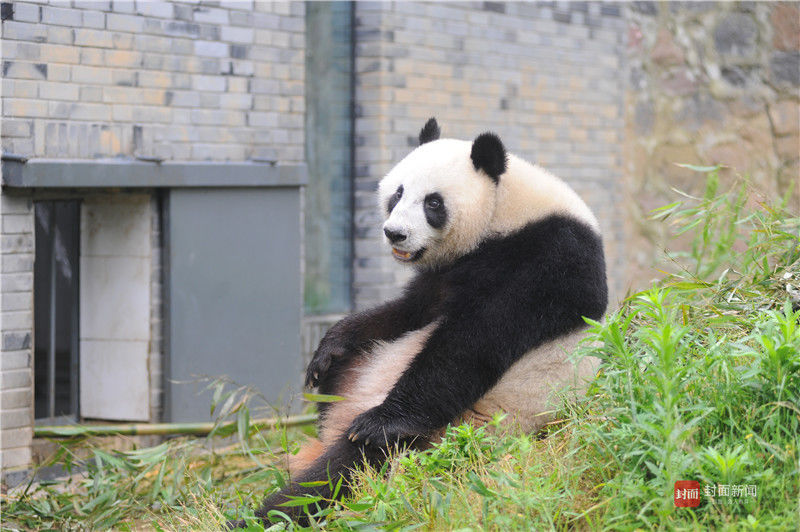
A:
489, 155
429, 132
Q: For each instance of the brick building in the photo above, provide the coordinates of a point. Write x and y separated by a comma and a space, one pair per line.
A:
147, 126
121, 123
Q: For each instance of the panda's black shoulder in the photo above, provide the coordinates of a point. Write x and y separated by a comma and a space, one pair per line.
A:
550, 240
559, 257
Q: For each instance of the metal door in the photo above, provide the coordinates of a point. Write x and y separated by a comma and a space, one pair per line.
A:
233, 293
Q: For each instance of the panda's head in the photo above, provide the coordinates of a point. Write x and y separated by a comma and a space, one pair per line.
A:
439, 200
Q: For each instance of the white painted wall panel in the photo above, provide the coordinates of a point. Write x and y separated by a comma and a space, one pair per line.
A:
116, 252
114, 380
116, 226
115, 298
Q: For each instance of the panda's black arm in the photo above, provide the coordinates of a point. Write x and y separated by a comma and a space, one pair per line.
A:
512, 296
463, 358
417, 307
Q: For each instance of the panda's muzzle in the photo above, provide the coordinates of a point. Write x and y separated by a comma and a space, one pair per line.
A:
396, 237
407, 256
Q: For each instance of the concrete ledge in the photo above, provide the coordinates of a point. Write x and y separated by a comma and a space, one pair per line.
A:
127, 173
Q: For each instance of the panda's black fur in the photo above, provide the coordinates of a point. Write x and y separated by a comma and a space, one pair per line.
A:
492, 305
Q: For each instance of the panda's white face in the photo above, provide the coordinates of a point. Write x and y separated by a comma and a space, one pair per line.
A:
438, 207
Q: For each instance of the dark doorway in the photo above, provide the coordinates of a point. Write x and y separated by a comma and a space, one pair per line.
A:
56, 296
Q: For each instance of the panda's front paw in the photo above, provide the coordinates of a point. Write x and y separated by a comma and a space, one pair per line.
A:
379, 427
333, 345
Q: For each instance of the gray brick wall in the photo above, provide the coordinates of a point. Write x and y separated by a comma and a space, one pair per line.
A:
164, 80
16, 324
546, 77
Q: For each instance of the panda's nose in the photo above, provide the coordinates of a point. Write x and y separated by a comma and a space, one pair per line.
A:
394, 236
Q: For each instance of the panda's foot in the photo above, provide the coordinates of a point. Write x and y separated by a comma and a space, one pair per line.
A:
234, 524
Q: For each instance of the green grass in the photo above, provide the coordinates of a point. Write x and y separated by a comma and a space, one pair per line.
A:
700, 381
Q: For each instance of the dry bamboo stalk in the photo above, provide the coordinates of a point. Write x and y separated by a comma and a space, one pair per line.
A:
141, 429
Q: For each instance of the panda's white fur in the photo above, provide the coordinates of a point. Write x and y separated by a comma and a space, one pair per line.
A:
531, 390
370, 382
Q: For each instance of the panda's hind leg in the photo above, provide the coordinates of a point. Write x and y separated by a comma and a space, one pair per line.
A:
308, 453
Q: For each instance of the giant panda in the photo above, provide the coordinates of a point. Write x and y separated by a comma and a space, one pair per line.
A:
508, 262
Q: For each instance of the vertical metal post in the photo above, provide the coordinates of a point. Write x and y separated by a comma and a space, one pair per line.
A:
166, 301
51, 352
75, 258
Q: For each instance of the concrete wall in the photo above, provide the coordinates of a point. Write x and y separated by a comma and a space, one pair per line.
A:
146, 79
544, 76
708, 83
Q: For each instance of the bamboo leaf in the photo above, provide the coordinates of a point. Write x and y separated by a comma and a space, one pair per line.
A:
227, 397
338, 487
158, 482
357, 506
322, 398
218, 388
313, 483
301, 501
477, 485
243, 424
227, 405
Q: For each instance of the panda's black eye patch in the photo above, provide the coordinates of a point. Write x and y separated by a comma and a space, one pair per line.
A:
435, 212
395, 198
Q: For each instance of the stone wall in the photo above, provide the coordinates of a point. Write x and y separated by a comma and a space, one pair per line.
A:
708, 83
544, 76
